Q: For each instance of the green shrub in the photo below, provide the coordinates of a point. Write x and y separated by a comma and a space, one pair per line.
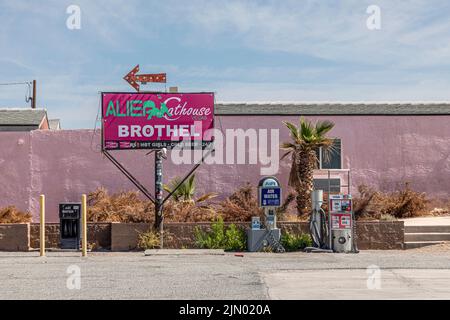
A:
235, 239
148, 240
294, 242
231, 238
151, 239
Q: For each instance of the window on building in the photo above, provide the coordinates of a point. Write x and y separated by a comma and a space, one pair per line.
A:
322, 184
335, 159
334, 162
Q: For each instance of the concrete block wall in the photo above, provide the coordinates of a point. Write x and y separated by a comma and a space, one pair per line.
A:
99, 235
124, 236
371, 235
15, 237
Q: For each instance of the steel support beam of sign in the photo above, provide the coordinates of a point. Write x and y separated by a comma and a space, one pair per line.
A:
159, 195
188, 174
129, 176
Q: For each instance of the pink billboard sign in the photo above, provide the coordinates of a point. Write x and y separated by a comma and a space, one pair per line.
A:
157, 120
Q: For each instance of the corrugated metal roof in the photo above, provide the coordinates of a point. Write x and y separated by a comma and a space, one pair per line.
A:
22, 116
339, 108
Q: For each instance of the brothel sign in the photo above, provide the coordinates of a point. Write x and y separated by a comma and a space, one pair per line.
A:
157, 120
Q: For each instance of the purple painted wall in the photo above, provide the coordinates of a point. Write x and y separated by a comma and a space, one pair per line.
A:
382, 151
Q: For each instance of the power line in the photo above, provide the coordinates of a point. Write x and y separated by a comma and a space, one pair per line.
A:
14, 83
30, 95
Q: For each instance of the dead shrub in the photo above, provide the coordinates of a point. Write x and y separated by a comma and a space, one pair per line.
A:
129, 207
387, 217
367, 204
241, 205
119, 207
188, 211
404, 203
11, 214
439, 207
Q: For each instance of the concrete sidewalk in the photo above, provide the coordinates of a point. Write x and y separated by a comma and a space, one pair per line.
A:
427, 221
187, 252
426, 231
359, 284
404, 274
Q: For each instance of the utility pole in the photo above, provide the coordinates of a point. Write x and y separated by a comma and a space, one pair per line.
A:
33, 100
159, 218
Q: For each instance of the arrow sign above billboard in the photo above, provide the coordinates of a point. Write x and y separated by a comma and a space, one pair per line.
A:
133, 79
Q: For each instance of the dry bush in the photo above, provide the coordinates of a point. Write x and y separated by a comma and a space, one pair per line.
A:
288, 211
241, 205
387, 217
292, 217
367, 204
118, 207
129, 207
439, 207
404, 203
188, 211
440, 211
11, 214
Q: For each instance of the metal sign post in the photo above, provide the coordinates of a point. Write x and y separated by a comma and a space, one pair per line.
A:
159, 154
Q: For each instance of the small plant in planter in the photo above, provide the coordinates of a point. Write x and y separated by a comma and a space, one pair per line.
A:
230, 239
151, 239
295, 242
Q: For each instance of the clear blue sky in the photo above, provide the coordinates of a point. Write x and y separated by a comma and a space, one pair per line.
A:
242, 50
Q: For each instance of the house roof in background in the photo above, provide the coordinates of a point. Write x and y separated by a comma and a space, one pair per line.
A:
332, 108
54, 124
22, 116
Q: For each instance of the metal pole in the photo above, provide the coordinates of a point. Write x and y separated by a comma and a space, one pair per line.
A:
33, 102
330, 225
83, 226
42, 225
159, 196
349, 183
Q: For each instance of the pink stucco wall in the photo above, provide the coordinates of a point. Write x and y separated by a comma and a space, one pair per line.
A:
383, 151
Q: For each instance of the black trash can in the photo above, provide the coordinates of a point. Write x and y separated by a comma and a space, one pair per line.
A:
70, 225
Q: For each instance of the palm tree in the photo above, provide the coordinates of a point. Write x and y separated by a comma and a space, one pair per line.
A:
307, 138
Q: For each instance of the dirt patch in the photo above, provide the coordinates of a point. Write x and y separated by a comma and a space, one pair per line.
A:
441, 247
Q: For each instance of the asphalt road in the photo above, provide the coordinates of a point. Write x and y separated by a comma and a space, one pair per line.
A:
411, 274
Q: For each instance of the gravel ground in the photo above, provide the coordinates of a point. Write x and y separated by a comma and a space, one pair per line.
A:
253, 276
